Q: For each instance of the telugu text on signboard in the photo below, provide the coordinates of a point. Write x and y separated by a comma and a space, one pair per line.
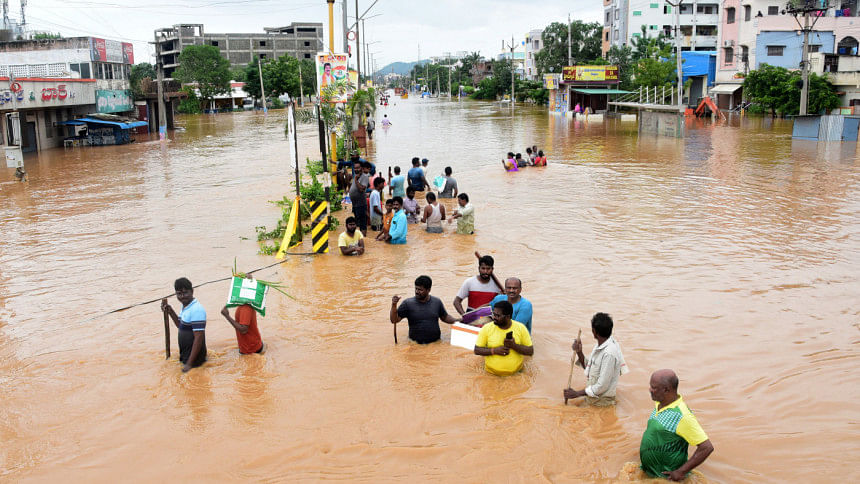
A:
604, 74
550, 81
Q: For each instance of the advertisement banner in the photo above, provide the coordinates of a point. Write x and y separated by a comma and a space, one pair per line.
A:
331, 68
111, 51
114, 101
550, 81
602, 74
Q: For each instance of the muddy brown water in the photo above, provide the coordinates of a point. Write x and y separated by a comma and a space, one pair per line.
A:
731, 256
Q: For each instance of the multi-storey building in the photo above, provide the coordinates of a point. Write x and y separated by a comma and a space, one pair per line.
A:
614, 24
51, 81
533, 45
754, 32
301, 40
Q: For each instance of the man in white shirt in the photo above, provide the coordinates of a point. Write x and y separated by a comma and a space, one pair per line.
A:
602, 368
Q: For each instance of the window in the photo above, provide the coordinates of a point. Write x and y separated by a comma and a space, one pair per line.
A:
262, 43
814, 48
773, 10
262, 56
775, 50
730, 15
667, 9
729, 56
655, 5
745, 54
49, 132
307, 56
213, 43
705, 9
637, 13
652, 27
616, 14
608, 17
607, 35
307, 44
747, 13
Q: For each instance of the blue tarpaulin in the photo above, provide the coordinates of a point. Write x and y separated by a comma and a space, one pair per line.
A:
699, 63
79, 121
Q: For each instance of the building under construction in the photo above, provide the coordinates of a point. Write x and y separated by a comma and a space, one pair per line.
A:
299, 39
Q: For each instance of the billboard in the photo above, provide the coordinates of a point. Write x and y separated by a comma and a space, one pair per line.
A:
114, 100
603, 74
331, 68
102, 50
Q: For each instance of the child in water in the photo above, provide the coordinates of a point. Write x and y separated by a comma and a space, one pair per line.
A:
386, 221
410, 206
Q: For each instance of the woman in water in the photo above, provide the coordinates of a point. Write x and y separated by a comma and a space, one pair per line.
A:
540, 159
510, 164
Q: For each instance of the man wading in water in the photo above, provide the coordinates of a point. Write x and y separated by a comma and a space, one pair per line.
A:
191, 322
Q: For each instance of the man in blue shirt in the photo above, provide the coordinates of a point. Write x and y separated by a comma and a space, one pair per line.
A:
416, 176
397, 183
522, 306
191, 322
397, 232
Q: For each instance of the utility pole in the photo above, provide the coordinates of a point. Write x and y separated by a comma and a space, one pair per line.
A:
569, 55
345, 28
301, 88
357, 47
677, 8
262, 88
162, 115
805, 10
333, 146
513, 93
366, 56
449, 83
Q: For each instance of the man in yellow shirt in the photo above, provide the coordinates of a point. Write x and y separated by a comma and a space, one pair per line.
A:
351, 241
503, 343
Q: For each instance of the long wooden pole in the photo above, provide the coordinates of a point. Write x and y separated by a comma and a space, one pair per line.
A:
572, 365
166, 335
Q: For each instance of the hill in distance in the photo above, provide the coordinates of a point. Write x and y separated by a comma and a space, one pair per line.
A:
402, 68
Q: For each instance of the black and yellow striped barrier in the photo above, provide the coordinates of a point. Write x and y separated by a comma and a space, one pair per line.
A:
319, 226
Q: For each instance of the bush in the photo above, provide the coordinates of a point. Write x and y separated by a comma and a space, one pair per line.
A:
191, 104
276, 103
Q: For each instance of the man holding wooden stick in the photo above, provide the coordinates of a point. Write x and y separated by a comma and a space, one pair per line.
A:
602, 368
191, 322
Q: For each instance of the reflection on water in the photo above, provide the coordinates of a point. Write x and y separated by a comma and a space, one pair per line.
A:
729, 256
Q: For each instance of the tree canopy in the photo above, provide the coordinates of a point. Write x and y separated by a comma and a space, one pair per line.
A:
281, 76
585, 45
777, 90
137, 74
204, 66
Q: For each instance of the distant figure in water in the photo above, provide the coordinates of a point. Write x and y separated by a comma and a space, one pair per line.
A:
510, 164
20, 174
671, 428
385, 121
434, 214
520, 161
191, 322
540, 159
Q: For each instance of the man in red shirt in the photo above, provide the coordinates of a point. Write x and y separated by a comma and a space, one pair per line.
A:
245, 324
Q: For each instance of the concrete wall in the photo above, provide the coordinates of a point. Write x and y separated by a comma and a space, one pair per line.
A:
793, 44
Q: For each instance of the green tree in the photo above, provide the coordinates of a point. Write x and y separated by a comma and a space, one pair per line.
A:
138, 73
237, 74
777, 90
585, 45
203, 65
644, 46
622, 56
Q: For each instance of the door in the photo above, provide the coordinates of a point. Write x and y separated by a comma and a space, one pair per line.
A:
28, 137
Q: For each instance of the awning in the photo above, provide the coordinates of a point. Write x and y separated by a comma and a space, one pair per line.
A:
79, 121
725, 88
599, 91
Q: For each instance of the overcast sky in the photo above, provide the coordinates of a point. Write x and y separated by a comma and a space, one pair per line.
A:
437, 25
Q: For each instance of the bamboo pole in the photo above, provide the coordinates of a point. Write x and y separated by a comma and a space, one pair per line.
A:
572, 365
166, 335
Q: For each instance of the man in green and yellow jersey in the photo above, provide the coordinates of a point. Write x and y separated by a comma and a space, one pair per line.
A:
671, 428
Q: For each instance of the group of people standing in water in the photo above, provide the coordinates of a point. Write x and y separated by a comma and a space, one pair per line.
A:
534, 157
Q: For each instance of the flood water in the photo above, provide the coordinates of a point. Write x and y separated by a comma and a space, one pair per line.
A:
730, 256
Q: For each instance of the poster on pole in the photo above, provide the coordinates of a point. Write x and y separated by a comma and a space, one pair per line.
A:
291, 137
331, 68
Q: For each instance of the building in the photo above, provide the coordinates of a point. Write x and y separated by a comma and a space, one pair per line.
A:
480, 71
624, 21
756, 32
519, 61
533, 45
301, 40
843, 71
51, 81
614, 24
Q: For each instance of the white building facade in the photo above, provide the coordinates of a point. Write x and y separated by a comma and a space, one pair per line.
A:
533, 45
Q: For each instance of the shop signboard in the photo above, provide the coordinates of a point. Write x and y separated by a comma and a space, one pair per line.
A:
594, 74
114, 100
331, 68
102, 50
41, 94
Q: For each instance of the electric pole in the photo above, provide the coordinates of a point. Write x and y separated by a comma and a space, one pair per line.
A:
677, 8
569, 56
345, 28
262, 89
162, 115
357, 47
805, 10
513, 93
